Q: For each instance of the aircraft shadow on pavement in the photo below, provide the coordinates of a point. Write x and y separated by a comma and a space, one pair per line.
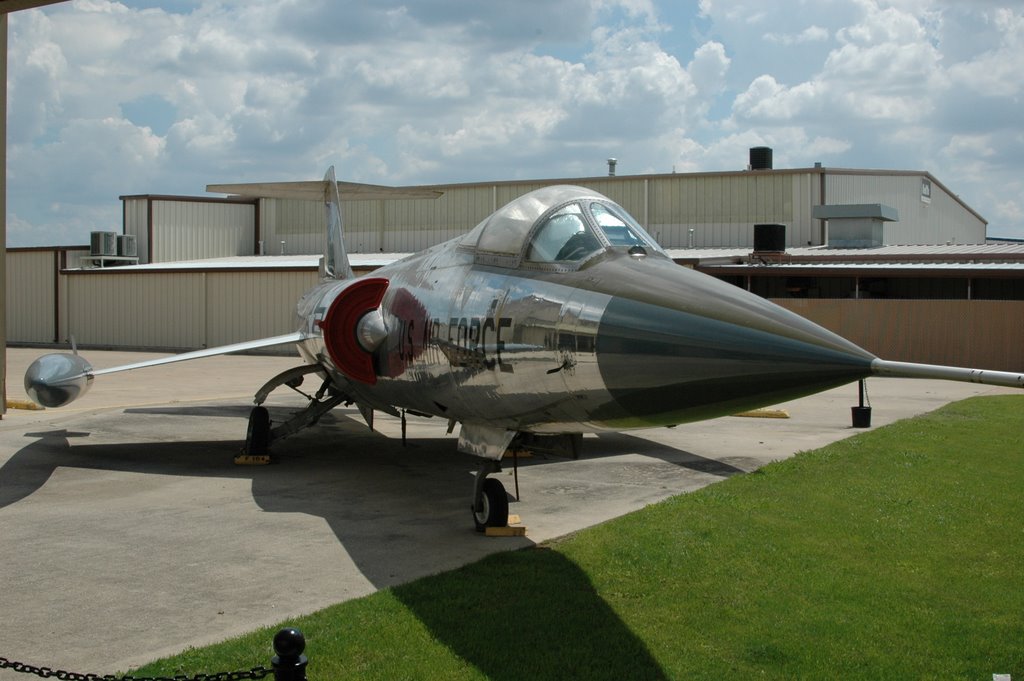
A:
399, 512
380, 498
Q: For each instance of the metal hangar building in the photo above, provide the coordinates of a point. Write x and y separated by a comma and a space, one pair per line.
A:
893, 260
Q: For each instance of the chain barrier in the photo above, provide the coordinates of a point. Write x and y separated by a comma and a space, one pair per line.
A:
47, 672
288, 665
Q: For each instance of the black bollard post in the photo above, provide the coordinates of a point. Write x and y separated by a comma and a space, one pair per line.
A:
289, 664
861, 414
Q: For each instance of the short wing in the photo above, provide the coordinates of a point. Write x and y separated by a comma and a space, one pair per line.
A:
208, 352
58, 379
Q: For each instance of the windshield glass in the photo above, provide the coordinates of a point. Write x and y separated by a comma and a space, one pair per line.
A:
620, 228
564, 237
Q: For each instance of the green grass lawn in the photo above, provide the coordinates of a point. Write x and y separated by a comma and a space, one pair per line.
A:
895, 554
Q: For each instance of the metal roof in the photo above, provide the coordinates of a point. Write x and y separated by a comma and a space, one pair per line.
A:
972, 255
952, 260
997, 257
16, 5
251, 262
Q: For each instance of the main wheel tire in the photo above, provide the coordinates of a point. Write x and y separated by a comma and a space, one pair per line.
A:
493, 506
257, 437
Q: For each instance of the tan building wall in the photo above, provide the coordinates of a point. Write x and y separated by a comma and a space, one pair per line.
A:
151, 310
182, 310
984, 334
195, 309
299, 224
248, 305
31, 296
720, 209
36, 291
171, 229
932, 216
136, 222
194, 231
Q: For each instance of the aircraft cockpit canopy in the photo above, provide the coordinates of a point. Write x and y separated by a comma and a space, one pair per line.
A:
562, 225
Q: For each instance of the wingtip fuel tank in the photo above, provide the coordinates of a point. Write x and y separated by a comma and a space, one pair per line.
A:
58, 379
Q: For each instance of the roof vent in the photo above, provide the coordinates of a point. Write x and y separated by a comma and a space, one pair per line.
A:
611, 166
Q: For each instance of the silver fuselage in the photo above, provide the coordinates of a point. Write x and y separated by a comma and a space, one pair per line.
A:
621, 342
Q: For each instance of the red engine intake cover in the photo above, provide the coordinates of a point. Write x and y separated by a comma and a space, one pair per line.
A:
339, 328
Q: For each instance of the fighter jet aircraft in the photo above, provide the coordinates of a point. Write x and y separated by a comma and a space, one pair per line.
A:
557, 315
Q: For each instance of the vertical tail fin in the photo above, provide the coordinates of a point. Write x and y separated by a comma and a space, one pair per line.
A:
336, 264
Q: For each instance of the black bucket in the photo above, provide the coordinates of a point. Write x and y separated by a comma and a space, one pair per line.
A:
861, 417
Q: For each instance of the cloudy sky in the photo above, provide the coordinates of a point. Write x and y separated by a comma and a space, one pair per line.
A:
163, 97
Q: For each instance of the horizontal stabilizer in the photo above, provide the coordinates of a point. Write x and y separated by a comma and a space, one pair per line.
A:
313, 190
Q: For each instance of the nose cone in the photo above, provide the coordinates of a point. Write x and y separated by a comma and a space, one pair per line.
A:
666, 360
57, 379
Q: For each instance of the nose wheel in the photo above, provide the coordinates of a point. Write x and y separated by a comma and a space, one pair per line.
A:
490, 501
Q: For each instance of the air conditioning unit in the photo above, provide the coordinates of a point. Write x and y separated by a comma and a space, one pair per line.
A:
127, 246
103, 243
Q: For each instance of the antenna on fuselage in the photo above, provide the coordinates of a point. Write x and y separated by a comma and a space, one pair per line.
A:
336, 264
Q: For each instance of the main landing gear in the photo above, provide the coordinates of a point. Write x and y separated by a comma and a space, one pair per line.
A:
261, 433
257, 436
490, 501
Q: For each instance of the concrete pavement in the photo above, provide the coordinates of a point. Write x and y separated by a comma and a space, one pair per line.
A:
126, 532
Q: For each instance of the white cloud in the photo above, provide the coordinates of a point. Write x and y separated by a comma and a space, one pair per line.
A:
1009, 211
996, 71
424, 91
708, 68
767, 99
811, 34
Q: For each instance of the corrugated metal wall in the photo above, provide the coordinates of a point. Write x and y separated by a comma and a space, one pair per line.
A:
136, 222
182, 310
376, 226
247, 305
187, 310
185, 230
413, 225
985, 334
150, 310
937, 221
301, 225
722, 210
31, 296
